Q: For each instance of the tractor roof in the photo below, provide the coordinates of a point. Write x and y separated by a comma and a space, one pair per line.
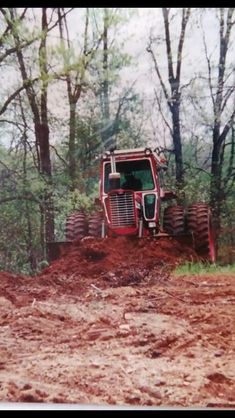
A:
129, 152
136, 153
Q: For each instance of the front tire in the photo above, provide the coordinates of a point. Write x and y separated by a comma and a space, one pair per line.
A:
76, 226
95, 225
174, 220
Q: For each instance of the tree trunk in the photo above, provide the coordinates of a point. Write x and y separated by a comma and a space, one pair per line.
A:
215, 187
174, 78
176, 136
218, 183
41, 127
173, 98
105, 87
28, 210
74, 89
30, 250
72, 148
42, 134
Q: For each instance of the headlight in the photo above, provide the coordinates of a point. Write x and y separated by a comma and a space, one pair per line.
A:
148, 151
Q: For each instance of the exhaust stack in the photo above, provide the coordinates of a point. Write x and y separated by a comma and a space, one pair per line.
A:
114, 177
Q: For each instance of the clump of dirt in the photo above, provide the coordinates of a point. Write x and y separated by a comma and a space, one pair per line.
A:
10, 284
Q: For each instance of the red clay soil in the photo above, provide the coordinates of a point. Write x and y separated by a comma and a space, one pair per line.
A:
109, 324
116, 261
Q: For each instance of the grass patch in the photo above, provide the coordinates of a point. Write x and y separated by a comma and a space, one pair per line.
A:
191, 268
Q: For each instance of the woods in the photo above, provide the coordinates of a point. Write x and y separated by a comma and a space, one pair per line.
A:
70, 90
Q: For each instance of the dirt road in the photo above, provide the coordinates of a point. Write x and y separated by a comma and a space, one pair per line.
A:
108, 324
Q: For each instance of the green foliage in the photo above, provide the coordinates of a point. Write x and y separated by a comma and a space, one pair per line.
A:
42, 265
20, 216
14, 243
190, 268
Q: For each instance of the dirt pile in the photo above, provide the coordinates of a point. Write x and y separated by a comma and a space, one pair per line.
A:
98, 263
114, 262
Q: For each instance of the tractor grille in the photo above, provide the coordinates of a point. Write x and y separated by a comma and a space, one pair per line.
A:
122, 210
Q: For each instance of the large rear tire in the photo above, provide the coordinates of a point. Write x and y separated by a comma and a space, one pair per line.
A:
95, 225
174, 220
76, 226
199, 223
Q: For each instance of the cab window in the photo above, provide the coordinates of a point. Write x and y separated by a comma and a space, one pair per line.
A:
139, 170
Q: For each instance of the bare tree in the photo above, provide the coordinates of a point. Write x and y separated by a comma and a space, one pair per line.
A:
223, 116
39, 111
104, 88
75, 80
173, 95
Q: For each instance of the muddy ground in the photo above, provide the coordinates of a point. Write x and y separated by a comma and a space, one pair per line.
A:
109, 324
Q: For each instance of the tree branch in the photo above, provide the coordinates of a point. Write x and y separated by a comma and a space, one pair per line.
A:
165, 13
185, 18
149, 49
26, 84
60, 17
226, 129
14, 49
197, 169
59, 156
227, 95
160, 110
209, 72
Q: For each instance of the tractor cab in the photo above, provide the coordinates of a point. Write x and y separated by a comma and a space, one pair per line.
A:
130, 191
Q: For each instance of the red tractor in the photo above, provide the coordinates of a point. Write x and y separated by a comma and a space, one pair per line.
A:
130, 201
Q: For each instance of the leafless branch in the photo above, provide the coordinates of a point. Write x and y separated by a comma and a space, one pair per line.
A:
165, 13
12, 122
161, 111
209, 71
59, 156
197, 168
150, 50
185, 18
60, 17
227, 127
227, 95
26, 84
